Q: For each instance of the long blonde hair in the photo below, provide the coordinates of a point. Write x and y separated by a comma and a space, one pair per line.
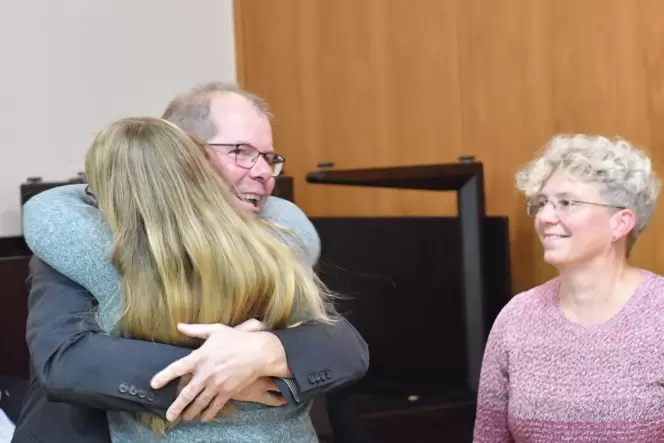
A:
185, 250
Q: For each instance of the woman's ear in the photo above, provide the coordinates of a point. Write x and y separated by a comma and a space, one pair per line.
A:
623, 223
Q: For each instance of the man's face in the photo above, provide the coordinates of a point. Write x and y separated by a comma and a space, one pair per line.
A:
238, 121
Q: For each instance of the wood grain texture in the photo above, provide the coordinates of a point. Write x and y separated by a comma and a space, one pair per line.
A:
397, 82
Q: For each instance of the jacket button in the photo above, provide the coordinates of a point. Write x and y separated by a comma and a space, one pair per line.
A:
312, 379
327, 374
123, 388
142, 394
151, 398
133, 390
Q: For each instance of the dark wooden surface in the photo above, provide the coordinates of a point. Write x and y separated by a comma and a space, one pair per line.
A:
448, 423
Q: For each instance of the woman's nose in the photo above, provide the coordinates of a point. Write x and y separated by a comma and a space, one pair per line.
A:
548, 213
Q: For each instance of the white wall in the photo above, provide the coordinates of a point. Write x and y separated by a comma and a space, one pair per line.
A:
68, 67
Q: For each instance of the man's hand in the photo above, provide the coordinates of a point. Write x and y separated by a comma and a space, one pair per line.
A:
264, 391
229, 361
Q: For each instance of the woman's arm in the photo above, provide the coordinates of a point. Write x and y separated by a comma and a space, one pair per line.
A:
64, 229
301, 235
491, 424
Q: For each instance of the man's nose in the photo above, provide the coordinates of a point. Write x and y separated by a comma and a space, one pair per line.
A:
261, 169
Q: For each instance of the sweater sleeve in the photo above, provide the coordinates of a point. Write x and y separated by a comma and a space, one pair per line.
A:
303, 236
491, 424
64, 229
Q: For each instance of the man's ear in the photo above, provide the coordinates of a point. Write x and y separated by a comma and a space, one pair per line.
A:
623, 223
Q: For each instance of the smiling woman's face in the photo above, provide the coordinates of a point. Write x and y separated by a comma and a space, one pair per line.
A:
570, 232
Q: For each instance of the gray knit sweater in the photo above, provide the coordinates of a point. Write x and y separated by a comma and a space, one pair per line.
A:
64, 229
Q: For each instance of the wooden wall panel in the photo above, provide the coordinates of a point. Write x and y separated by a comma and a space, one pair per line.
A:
395, 82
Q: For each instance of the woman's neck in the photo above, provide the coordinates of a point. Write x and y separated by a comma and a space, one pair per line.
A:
594, 292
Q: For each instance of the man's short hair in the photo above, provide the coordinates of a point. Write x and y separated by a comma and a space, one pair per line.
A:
191, 111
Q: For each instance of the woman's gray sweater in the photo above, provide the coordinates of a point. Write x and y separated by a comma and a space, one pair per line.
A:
63, 228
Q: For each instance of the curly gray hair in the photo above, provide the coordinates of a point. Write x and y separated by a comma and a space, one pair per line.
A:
623, 173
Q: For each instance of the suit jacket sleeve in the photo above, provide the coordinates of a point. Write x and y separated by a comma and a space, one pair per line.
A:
77, 363
323, 357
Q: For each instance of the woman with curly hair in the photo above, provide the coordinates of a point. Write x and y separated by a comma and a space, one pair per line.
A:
579, 358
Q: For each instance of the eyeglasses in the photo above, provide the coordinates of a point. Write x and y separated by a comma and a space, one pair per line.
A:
246, 156
562, 206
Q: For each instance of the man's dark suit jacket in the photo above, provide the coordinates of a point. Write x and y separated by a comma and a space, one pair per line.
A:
78, 372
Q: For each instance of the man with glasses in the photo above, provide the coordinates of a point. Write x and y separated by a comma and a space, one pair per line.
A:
93, 372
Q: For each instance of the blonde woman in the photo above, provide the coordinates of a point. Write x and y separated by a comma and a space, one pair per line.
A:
182, 251
579, 358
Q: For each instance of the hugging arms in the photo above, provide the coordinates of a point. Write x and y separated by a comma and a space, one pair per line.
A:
75, 362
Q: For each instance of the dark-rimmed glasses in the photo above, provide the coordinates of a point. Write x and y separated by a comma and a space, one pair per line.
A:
246, 156
562, 206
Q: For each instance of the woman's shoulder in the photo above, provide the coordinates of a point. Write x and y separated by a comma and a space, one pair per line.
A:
652, 279
72, 194
527, 305
535, 296
652, 287
61, 206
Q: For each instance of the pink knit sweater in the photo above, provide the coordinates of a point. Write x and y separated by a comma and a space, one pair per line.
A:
546, 379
